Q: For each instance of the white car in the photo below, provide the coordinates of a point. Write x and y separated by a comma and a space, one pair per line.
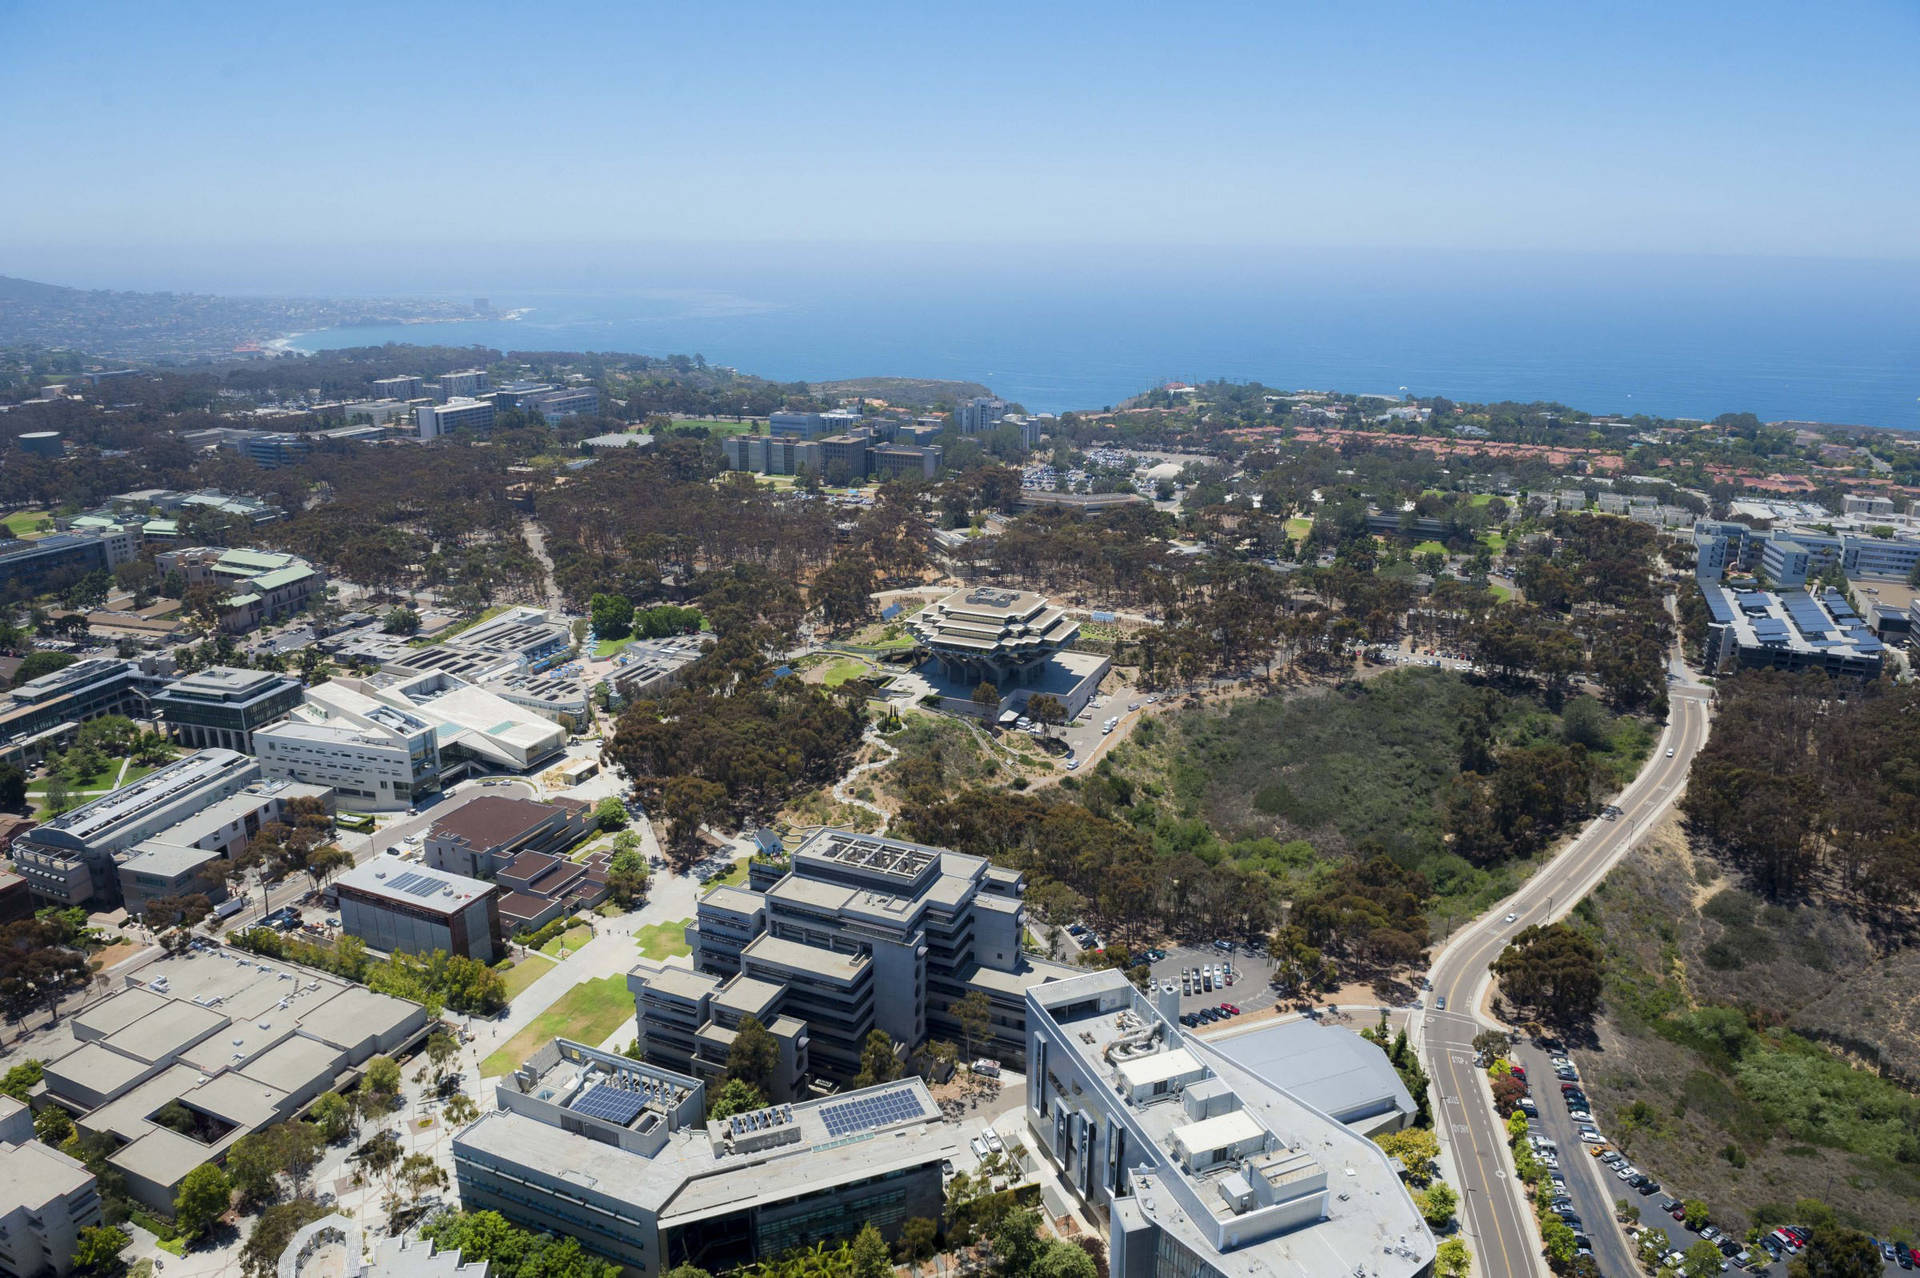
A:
1512, 918
1669, 752
979, 1148
993, 1141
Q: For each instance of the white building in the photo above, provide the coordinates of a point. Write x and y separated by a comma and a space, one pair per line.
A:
469, 723
461, 413
377, 758
469, 381
46, 1199
1198, 1167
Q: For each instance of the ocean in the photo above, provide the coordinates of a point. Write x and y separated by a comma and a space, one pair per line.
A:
1799, 339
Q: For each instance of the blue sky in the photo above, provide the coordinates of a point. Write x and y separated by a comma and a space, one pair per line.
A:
197, 132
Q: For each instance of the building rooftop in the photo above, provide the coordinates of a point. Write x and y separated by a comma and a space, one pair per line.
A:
492, 821
32, 1175
93, 820
419, 887
1332, 1069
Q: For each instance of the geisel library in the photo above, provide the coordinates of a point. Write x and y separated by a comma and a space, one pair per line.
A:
1013, 639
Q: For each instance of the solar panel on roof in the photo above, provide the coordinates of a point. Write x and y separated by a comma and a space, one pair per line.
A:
615, 1104
865, 1113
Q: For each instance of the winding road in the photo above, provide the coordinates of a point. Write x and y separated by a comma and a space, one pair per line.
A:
1499, 1225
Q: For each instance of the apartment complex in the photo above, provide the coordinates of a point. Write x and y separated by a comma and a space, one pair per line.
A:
858, 933
399, 388
980, 415
222, 706
612, 1152
398, 907
1198, 1167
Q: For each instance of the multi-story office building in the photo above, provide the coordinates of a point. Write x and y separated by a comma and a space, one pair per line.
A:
612, 1152
402, 388
844, 458
398, 907
1784, 562
264, 585
1860, 546
812, 425
222, 706
1788, 630
44, 712
272, 449
70, 860
435, 420
471, 725
980, 414
557, 404
46, 1199
771, 455
895, 461
860, 933
182, 858
53, 562
377, 758
470, 381
1198, 1167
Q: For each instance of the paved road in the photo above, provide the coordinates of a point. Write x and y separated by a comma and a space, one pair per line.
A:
1499, 1225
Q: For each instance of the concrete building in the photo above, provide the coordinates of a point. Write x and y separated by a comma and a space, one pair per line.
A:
460, 413
471, 726
470, 381
264, 585
557, 404
239, 1043
897, 461
1867, 504
987, 634
538, 888
612, 1152
1196, 1167
980, 415
401, 388
222, 706
844, 458
1788, 630
812, 425
43, 713
375, 757
482, 836
1337, 1072
70, 859
398, 907
57, 561
859, 933
182, 858
775, 455
46, 1199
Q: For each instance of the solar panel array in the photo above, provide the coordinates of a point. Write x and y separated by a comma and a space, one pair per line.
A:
416, 884
864, 1113
615, 1104
1717, 606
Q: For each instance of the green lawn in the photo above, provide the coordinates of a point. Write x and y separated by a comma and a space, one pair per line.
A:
524, 973
1298, 527
719, 427
1502, 593
570, 940
604, 648
732, 878
1429, 547
662, 941
1495, 542
24, 522
843, 669
587, 1013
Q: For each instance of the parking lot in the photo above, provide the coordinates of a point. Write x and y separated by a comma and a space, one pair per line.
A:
1592, 1182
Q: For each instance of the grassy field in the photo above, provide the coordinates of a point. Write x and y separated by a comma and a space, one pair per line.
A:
524, 973
662, 941
22, 523
587, 1013
570, 940
734, 877
605, 648
718, 427
1298, 527
842, 669
1429, 547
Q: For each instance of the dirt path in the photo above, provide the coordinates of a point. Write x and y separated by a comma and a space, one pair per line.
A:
537, 546
842, 795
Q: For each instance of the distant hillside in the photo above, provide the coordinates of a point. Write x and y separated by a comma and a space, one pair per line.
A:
906, 392
176, 326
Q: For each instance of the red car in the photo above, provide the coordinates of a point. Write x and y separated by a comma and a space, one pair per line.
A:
1569, 1087
1230, 1009
1520, 1072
